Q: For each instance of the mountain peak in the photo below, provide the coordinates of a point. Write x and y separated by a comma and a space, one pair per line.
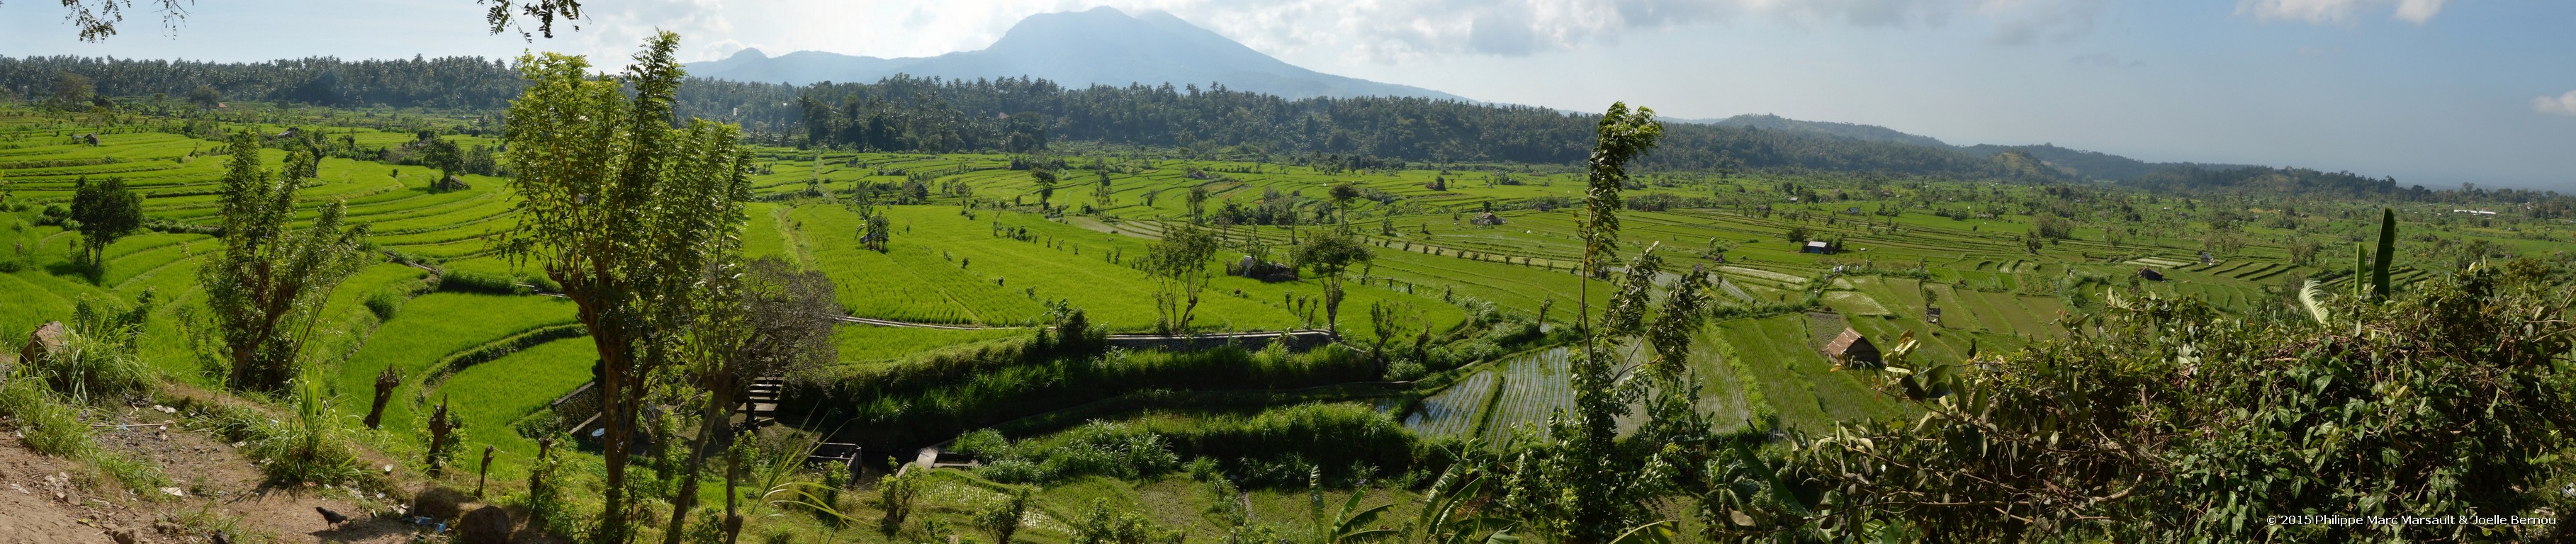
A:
748, 53
1099, 46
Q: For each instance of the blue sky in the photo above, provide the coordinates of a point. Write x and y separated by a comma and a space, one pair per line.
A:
2433, 92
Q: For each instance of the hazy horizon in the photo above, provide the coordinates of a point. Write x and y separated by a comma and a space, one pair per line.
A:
2433, 93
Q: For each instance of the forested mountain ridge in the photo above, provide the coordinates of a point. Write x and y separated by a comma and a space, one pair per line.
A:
1855, 131
1101, 46
905, 113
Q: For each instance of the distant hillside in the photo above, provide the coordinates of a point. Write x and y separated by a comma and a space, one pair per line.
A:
2074, 163
1102, 46
1872, 133
2266, 180
2092, 164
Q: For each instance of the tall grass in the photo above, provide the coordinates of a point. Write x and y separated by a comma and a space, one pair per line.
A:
50, 423
312, 447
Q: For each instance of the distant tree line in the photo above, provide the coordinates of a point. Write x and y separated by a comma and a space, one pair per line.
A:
903, 113
443, 82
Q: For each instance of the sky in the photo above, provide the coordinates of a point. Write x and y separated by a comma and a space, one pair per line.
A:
2432, 92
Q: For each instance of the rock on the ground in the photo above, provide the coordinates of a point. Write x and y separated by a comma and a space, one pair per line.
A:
45, 340
486, 525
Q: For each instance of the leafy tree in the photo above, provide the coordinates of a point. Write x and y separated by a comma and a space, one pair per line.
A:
1179, 265
1586, 489
1104, 191
106, 211
763, 319
1198, 203
626, 213
1343, 194
205, 97
1046, 185
268, 284
1329, 255
71, 91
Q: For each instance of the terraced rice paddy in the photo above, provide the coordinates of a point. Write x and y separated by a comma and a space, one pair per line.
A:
1457, 410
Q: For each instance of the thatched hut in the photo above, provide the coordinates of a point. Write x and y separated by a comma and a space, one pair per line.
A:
1853, 350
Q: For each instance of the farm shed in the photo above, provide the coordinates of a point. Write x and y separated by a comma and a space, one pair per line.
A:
1853, 350
2150, 274
1817, 246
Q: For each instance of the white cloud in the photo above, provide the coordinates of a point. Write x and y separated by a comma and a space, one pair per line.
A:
2338, 11
1396, 30
1384, 31
2564, 104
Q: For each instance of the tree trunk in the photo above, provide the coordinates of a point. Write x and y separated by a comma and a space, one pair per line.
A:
385, 383
733, 475
617, 428
718, 413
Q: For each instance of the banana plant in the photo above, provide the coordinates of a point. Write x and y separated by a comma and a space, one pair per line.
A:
1444, 519
1353, 524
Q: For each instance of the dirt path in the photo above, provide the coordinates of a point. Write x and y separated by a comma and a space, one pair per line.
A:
46, 500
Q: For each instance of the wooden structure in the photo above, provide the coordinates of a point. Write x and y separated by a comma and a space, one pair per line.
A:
1932, 314
1853, 350
1817, 246
760, 403
2150, 274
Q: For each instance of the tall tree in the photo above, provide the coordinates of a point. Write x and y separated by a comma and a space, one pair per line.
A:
268, 284
1599, 497
1179, 265
763, 319
106, 211
1343, 194
626, 212
1198, 202
72, 91
1330, 255
1046, 185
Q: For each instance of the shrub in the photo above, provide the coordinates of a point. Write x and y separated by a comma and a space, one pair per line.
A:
981, 443
89, 368
476, 282
383, 304
49, 425
310, 447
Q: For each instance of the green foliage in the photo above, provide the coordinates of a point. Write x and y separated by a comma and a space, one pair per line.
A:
1105, 524
268, 285
1003, 518
383, 304
94, 369
896, 494
45, 424
107, 211
1178, 263
1329, 254
2435, 404
313, 446
626, 213
1101, 448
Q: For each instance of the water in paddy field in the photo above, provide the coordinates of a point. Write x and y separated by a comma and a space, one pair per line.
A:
1513, 396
